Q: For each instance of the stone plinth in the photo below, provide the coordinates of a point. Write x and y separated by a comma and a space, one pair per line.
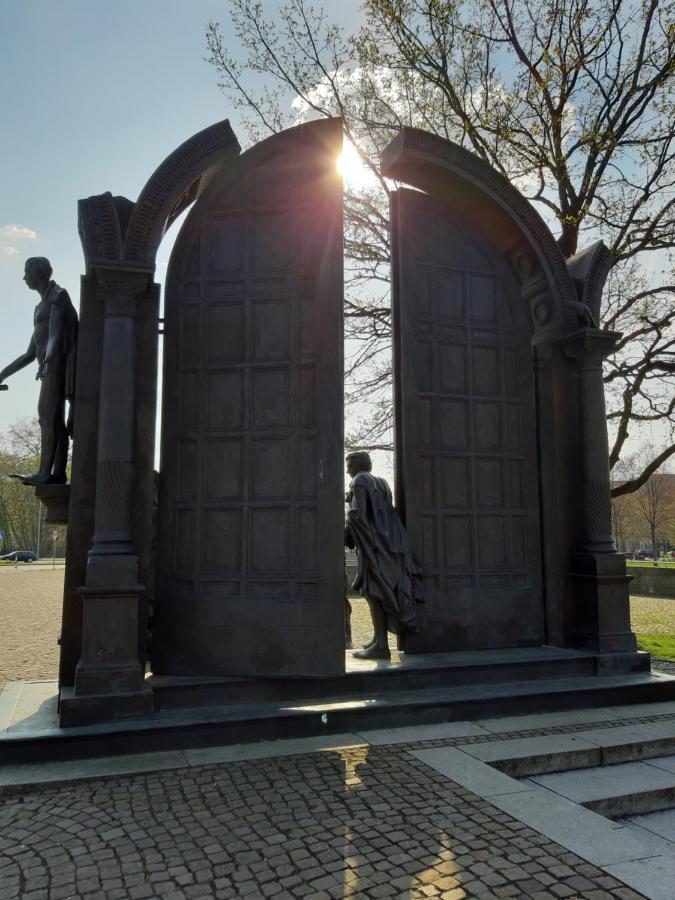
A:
55, 499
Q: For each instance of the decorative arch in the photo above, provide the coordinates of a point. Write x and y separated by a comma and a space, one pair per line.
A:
487, 200
116, 230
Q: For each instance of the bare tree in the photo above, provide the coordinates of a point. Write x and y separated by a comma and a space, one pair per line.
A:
656, 504
571, 100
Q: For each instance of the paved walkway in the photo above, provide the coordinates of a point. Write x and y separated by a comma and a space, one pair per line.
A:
372, 815
357, 816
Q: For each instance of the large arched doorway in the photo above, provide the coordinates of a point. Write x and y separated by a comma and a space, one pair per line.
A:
467, 463
250, 509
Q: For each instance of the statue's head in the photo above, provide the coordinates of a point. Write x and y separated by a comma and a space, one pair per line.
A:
358, 461
37, 270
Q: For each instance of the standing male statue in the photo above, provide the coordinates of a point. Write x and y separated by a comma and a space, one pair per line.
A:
54, 345
387, 576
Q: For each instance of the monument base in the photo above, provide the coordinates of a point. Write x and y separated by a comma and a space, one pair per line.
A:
200, 712
602, 604
92, 709
55, 499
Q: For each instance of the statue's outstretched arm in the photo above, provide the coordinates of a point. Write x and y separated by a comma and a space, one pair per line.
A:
20, 362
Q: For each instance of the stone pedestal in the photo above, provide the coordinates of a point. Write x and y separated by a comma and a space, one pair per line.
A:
598, 571
54, 498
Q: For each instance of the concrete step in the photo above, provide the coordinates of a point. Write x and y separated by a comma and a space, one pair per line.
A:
615, 791
403, 673
304, 717
582, 750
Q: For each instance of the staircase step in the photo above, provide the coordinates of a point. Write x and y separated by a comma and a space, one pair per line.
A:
582, 750
304, 717
624, 789
403, 672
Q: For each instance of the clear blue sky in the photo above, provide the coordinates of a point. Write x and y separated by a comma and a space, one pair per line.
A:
95, 94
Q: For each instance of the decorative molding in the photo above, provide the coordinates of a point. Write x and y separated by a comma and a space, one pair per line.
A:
413, 148
120, 290
99, 226
585, 344
589, 269
176, 183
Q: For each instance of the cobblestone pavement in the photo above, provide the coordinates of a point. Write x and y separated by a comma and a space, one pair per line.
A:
362, 822
358, 823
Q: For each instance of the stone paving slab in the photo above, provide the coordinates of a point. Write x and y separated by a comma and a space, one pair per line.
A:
537, 754
663, 762
655, 876
468, 772
632, 742
661, 823
636, 710
595, 838
552, 719
72, 771
444, 731
586, 785
271, 749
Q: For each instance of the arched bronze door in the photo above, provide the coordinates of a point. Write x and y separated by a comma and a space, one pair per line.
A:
250, 558
467, 466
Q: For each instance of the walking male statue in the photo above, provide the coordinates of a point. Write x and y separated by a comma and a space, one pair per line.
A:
54, 345
387, 576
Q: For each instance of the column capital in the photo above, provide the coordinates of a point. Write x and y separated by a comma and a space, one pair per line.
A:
589, 342
120, 287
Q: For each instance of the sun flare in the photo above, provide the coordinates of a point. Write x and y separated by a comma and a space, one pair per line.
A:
355, 173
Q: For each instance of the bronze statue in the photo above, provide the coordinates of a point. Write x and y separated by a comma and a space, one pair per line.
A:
54, 345
387, 576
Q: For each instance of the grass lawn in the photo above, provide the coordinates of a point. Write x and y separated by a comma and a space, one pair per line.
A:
661, 564
653, 622
659, 645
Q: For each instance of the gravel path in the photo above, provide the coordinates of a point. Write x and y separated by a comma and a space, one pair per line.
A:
30, 617
652, 616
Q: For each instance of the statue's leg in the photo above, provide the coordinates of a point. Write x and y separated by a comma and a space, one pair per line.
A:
378, 648
53, 435
58, 475
348, 624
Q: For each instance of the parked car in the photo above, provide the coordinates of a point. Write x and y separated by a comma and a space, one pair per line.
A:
20, 556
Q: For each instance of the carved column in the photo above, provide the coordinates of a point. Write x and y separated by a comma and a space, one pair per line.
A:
591, 346
109, 679
112, 547
603, 610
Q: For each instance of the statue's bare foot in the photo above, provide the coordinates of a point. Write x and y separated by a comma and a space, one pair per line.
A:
372, 652
371, 643
35, 478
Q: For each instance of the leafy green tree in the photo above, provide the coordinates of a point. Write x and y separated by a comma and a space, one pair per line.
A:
19, 509
572, 100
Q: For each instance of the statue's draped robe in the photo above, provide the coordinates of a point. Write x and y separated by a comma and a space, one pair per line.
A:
386, 571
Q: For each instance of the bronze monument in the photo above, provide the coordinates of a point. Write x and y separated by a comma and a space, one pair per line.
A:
386, 575
53, 344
